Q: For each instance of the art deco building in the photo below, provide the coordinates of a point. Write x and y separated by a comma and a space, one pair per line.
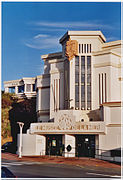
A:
78, 99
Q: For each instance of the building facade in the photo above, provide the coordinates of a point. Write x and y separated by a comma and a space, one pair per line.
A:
78, 99
22, 88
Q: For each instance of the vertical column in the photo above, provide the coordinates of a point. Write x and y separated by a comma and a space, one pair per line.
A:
39, 99
69, 142
6, 90
72, 84
25, 88
16, 89
31, 87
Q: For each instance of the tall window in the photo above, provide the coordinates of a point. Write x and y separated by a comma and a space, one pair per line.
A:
82, 82
88, 82
77, 82
21, 89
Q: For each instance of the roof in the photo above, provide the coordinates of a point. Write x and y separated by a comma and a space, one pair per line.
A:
52, 55
83, 33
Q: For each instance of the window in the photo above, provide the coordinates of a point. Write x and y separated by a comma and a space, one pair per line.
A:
79, 48
88, 82
21, 89
28, 87
33, 87
82, 82
105, 89
77, 82
84, 48
12, 90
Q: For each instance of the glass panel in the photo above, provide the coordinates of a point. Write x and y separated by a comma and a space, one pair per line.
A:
33, 87
82, 48
88, 60
89, 78
82, 60
12, 90
88, 105
82, 93
77, 105
76, 93
88, 93
21, 89
77, 61
82, 78
79, 48
83, 105
85, 48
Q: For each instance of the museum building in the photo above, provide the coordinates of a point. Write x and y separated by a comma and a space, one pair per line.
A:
78, 99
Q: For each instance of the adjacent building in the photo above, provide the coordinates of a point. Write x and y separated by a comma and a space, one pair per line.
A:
22, 88
78, 99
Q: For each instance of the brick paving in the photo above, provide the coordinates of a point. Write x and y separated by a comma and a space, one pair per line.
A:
82, 161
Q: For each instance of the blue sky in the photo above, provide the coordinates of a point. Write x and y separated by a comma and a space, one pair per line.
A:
30, 30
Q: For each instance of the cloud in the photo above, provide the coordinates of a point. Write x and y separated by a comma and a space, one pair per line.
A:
51, 39
73, 25
42, 41
40, 36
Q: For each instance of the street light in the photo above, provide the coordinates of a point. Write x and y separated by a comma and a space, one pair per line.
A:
21, 124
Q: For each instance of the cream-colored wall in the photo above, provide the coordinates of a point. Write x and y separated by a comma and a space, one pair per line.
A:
45, 99
69, 140
112, 115
33, 145
111, 140
101, 65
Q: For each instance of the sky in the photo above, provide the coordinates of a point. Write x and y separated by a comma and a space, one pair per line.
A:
30, 30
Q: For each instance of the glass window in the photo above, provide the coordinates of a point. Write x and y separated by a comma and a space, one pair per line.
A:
82, 78
85, 48
21, 89
88, 79
77, 82
77, 61
82, 48
90, 48
28, 87
82, 60
82, 93
88, 93
79, 47
33, 87
12, 90
77, 93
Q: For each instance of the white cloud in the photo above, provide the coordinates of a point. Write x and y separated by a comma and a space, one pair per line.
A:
70, 24
40, 36
51, 40
41, 41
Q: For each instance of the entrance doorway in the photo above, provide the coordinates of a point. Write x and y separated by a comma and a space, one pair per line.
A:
54, 145
85, 145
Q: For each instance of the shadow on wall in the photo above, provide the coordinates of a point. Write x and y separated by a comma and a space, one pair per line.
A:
24, 110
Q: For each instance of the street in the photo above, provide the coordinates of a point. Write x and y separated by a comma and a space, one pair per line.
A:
26, 169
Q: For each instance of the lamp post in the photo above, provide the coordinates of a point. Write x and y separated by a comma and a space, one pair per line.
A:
21, 124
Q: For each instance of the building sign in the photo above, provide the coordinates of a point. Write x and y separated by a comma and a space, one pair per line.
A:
65, 122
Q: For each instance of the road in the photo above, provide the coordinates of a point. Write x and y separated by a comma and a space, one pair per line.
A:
44, 170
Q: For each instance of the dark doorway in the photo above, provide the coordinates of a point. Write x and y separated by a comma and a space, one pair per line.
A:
85, 145
54, 145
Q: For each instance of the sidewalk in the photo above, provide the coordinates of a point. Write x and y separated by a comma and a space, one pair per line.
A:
83, 162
